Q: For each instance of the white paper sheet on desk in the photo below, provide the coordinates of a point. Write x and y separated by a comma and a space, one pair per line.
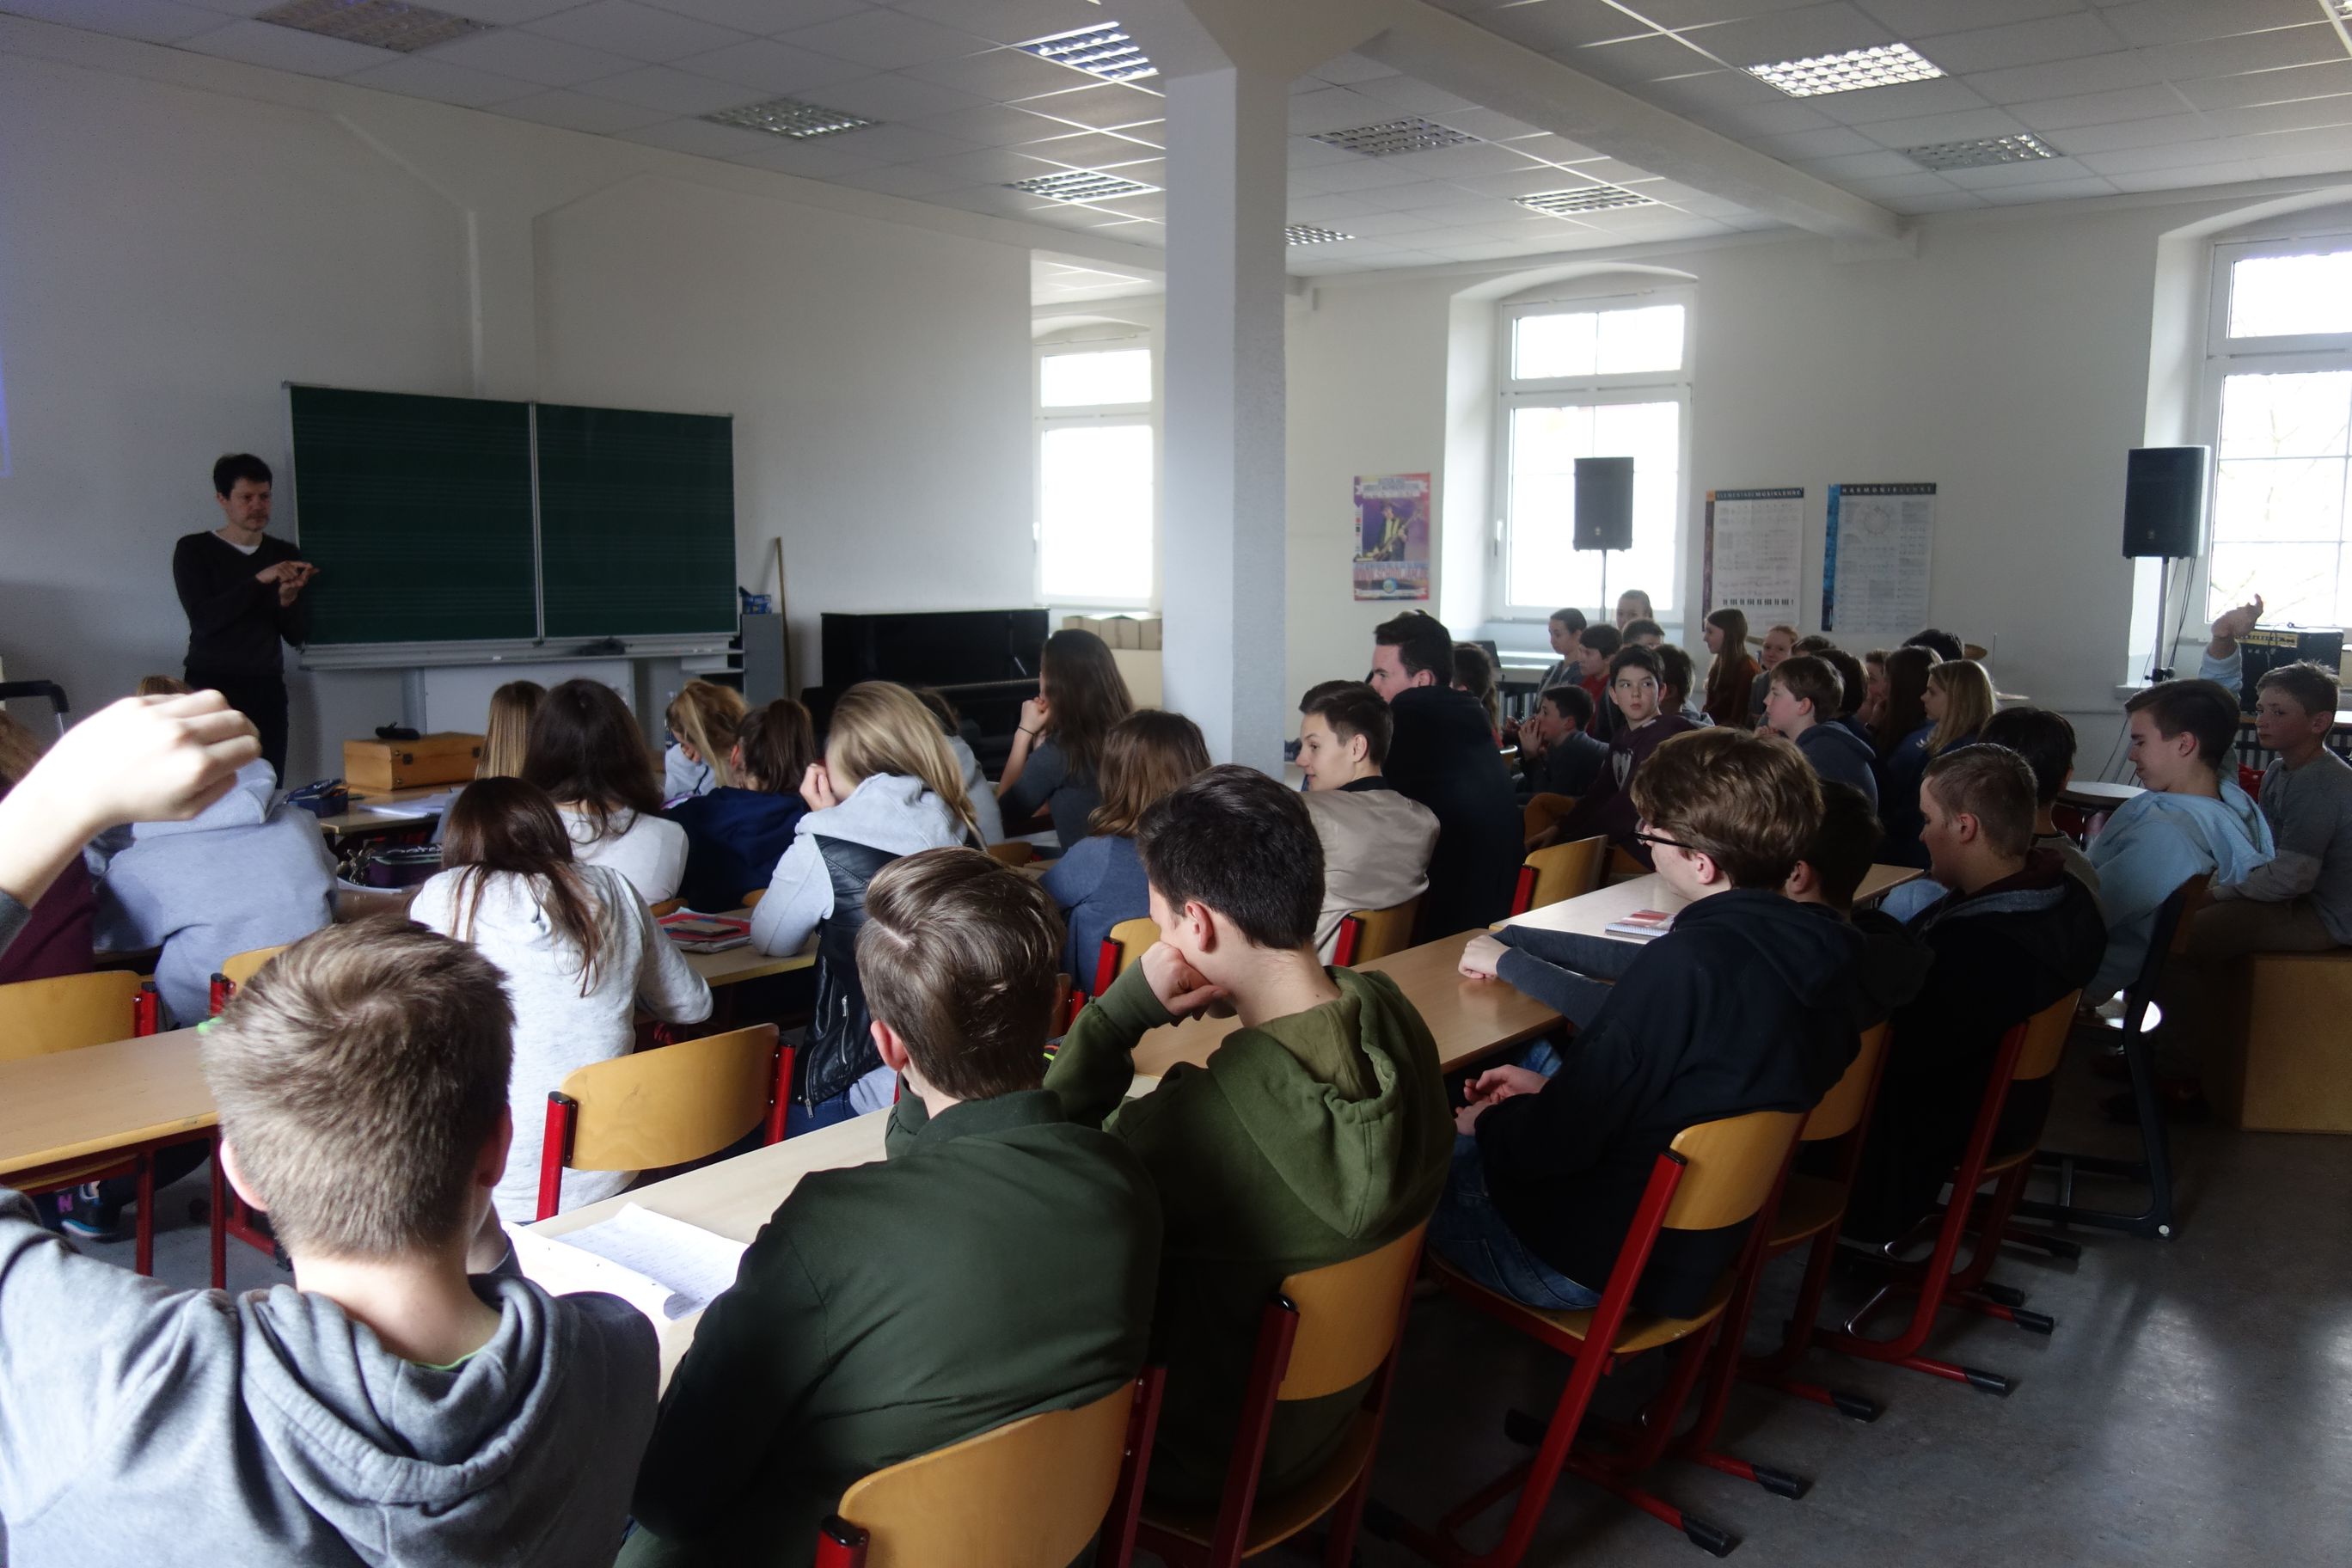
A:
664, 1268
421, 807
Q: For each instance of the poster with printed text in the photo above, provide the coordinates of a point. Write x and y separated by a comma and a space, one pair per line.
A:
1391, 536
1756, 552
1882, 541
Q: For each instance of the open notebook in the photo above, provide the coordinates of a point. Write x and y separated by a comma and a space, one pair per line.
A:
664, 1268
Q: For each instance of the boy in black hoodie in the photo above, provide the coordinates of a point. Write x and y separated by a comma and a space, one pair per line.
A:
1747, 1004
1442, 753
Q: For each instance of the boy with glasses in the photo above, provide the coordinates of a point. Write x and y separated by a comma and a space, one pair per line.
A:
1638, 688
1746, 1003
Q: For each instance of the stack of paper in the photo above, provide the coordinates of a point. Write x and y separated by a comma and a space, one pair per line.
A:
664, 1268
1641, 925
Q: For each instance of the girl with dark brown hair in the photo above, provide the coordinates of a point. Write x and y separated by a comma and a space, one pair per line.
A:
1100, 881
1080, 695
586, 752
1903, 732
578, 950
1731, 676
737, 832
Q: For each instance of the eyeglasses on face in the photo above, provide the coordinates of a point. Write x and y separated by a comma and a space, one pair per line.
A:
1651, 841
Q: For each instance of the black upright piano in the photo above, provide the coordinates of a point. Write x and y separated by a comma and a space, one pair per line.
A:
984, 662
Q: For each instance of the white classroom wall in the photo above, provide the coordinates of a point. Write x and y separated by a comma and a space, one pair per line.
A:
2007, 361
174, 244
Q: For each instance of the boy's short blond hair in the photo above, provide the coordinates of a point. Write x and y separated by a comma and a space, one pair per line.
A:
960, 956
359, 1076
1750, 801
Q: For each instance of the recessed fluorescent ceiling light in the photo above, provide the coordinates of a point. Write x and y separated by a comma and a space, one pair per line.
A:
1849, 72
1584, 199
1081, 185
790, 117
1411, 135
384, 24
1103, 51
1982, 154
1307, 233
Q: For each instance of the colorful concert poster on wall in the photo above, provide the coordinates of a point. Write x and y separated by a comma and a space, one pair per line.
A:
1391, 536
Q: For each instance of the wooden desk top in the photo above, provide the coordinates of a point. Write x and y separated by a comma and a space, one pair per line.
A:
1590, 914
73, 1104
2096, 794
1469, 1018
747, 963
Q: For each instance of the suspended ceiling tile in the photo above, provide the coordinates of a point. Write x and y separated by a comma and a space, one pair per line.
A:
767, 67
550, 62
2019, 43
422, 76
676, 91
578, 112
642, 33
886, 40
2158, 102
288, 49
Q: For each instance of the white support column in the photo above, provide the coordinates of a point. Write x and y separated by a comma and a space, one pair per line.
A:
1223, 532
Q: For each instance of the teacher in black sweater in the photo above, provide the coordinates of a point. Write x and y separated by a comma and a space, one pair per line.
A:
243, 592
1442, 753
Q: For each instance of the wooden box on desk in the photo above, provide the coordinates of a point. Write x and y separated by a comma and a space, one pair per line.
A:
2287, 1067
446, 757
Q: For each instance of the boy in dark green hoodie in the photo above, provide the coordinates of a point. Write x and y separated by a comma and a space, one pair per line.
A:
1318, 1131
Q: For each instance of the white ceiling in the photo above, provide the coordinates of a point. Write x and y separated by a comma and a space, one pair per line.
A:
2137, 95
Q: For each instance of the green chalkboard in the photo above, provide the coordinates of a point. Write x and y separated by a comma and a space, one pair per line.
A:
416, 511
636, 521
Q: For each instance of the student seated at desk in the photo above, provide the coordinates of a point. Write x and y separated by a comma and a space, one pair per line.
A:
408, 1397
736, 834
1080, 695
1855, 682
1099, 882
1608, 806
1730, 671
1595, 648
702, 720
586, 753
1566, 632
2189, 821
887, 787
1376, 842
1802, 705
1001, 1262
1566, 760
2046, 740
506, 737
1904, 728
247, 871
57, 938
1779, 642
580, 950
2014, 934
1441, 754
1676, 675
1746, 1003
1317, 1134
1474, 672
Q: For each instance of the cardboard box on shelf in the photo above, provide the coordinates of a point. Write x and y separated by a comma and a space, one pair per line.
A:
1117, 631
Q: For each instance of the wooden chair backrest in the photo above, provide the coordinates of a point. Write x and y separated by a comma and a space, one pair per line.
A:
674, 1104
1381, 933
1033, 1491
751, 900
1133, 937
41, 1018
1544, 808
1731, 1166
1840, 1111
2046, 1039
241, 967
1349, 1315
1013, 852
1566, 870
667, 907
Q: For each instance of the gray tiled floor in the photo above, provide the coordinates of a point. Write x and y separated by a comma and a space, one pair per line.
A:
2194, 1406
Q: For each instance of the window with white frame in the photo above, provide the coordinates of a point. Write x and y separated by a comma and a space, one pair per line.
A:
1098, 453
2280, 413
1590, 378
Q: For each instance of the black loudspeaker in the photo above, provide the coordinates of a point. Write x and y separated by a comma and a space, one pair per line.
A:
1604, 503
2163, 500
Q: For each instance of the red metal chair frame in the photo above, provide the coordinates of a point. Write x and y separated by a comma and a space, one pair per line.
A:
841, 1544
1592, 1358
1343, 946
1278, 1330
564, 1121
1938, 1282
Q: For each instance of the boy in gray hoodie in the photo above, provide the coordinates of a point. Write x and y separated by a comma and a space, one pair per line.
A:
1802, 704
409, 1398
247, 871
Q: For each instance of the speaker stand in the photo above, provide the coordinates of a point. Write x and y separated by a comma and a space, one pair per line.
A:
2157, 669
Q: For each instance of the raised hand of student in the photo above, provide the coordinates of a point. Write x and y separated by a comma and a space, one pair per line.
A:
1479, 957
816, 788
1182, 989
2231, 625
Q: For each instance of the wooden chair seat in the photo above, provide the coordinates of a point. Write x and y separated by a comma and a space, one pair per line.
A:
1639, 1331
1277, 1520
1809, 1205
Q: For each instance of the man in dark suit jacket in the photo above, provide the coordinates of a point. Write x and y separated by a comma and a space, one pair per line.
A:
1444, 755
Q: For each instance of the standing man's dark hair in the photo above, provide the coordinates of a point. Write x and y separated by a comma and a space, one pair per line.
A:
1442, 753
242, 591
1422, 647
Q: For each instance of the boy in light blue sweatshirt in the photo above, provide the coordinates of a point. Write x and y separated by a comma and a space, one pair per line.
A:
2191, 821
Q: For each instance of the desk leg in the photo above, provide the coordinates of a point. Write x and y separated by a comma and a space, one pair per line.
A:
143, 1249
